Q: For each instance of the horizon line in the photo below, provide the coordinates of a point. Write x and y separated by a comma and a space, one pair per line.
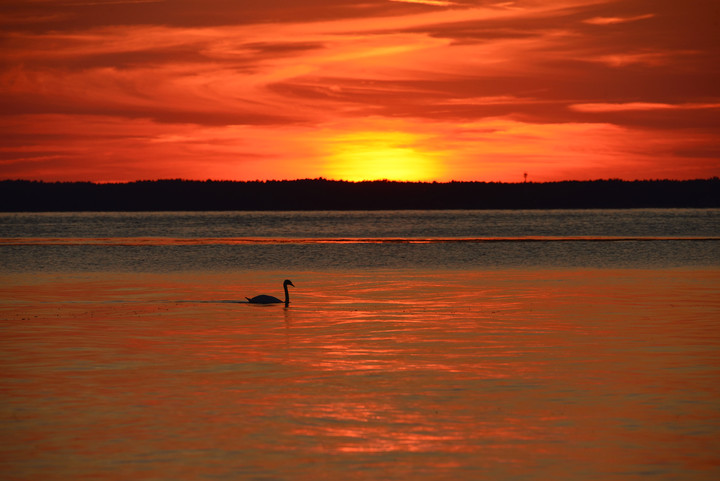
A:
368, 181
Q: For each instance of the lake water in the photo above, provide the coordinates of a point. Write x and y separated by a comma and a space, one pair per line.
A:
489, 345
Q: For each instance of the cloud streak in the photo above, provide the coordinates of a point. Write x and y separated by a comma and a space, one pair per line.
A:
434, 3
636, 106
616, 20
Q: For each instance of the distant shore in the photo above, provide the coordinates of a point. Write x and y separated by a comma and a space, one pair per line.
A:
322, 194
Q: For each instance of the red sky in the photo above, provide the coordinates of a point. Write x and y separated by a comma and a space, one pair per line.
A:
117, 90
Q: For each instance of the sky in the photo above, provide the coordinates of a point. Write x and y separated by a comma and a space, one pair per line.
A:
412, 90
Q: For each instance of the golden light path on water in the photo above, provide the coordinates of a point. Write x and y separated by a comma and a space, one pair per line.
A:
230, 241
564, 374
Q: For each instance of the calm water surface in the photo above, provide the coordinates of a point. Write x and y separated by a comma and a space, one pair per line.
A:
567, 345
213, 241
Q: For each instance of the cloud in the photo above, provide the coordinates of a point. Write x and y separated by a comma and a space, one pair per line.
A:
616, 20
434, 3
651, 59
491, 100
636, 106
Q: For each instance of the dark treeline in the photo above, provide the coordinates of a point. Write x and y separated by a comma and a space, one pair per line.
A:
322, 194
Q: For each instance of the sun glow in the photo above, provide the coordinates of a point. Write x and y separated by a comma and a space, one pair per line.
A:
381, 156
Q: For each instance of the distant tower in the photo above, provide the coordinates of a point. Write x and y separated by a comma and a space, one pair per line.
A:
525, 176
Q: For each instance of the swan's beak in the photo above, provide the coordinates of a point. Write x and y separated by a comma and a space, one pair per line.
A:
291, 284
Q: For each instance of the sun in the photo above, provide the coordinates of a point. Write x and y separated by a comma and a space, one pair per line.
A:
381, 156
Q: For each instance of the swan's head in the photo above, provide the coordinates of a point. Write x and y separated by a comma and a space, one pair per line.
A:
288, 282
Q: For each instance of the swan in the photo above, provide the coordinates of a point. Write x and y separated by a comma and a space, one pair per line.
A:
263, 299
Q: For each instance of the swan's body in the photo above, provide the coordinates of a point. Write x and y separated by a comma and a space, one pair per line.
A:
264, 299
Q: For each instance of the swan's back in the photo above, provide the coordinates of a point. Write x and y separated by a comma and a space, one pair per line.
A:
263, 299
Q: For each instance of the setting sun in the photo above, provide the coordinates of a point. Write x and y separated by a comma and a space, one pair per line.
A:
379, 156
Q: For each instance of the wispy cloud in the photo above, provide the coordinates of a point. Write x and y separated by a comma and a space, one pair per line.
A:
635, 106
616, 20
434, 3
653, 59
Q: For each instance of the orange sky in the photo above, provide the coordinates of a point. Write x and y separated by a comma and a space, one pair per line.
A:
117, 90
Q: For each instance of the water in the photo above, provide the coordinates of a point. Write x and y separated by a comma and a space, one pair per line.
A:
162, 242
359, 224
569, 345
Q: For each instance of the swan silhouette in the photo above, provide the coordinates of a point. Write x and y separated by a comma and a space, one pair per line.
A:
264, 299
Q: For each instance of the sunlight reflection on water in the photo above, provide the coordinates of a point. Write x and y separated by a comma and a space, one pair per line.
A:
414, 374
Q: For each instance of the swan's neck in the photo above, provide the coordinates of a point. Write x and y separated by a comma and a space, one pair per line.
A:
287, 295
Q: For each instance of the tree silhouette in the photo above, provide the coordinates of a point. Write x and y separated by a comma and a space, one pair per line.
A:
323, 194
